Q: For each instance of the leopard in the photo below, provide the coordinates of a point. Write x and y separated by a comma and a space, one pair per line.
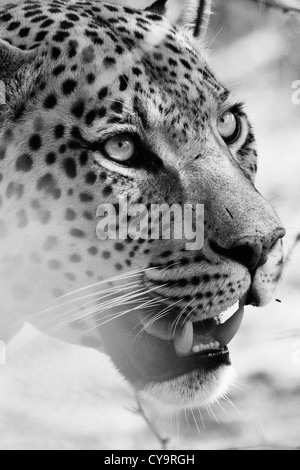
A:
108, 101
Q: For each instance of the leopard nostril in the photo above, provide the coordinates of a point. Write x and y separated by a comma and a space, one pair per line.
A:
247, 251
251, 251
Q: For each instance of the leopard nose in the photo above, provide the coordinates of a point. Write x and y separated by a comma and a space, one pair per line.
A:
252, 251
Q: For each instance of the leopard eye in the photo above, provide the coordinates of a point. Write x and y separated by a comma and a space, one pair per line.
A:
121, 148
229, 127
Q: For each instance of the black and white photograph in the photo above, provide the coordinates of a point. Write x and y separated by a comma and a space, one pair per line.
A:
150, 227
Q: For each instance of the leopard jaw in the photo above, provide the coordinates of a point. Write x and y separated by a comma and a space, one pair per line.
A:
187, 340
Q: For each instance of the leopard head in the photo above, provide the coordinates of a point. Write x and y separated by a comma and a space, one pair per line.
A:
106, 102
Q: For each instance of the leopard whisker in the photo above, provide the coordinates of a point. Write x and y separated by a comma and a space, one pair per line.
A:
218, 401
109, 317
187, 418
201, 417
160, 315
103, 296
212, 413
227, 399
177, 320
122, 300
98, 325
93, 311
110, 291
156, 318
195, 421
138, 272
188, 318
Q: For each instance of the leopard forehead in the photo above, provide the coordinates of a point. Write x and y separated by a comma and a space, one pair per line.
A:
102, 62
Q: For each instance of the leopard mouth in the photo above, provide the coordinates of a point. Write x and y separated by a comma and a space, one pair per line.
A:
196, 337
147, 351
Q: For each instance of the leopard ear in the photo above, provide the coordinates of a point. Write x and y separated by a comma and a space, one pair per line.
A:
193, 14
12, 59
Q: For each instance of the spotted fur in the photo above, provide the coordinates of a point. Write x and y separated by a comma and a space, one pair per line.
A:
76, 73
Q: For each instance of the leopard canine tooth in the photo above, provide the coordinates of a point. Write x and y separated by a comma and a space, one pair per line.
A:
225, 332
184, 338
224, 316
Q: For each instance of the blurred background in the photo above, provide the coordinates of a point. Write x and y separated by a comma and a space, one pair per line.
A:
55, 395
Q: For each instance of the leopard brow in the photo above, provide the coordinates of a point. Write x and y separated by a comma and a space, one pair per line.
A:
77, 135
92, 145
141, 111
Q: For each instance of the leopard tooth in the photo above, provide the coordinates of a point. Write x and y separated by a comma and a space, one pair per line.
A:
225, 332
183, 339
229, 312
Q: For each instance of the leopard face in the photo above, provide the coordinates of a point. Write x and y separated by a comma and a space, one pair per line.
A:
104, 102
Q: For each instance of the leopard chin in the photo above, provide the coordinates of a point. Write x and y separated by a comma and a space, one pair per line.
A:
190, 391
